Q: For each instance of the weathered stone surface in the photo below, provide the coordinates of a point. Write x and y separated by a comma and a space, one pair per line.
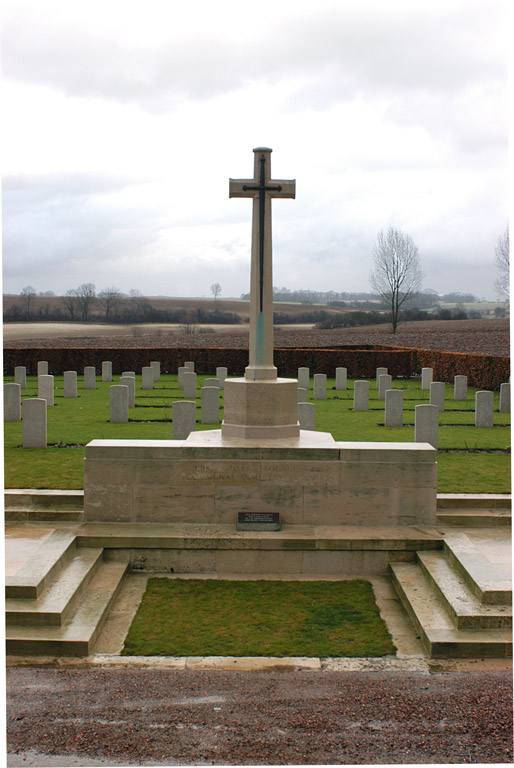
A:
130, 383
320, 386
89, 377
361, 396
303, 378
210, 405
189, 365
12, 402
426, 424
505, 398
393, 408
437, 390
261, 409
147, 377
45, 388
302, 395
184, 419
427, 375
106, 370
119, 403
379, 372
42, 368
70, 383
385, 382
341, 378
156, 365
189, 384
460, 387
20, 376
34, 423
484, 405
307, 416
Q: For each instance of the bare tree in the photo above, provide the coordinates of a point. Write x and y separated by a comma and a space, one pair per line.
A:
397, 272
85, 294
215, 290
70, 302
502, 259
109, 298
28, 294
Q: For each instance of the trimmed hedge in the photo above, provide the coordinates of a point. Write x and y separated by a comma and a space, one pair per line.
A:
483, 371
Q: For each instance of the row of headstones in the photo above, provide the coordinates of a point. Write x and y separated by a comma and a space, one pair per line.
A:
384, 383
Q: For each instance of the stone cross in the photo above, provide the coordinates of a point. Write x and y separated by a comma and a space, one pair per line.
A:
261, 188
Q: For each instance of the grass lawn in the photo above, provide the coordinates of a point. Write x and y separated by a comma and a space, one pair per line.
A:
210, 617
469, 460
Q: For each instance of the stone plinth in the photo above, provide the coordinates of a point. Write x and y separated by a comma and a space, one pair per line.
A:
309, 480
261, 409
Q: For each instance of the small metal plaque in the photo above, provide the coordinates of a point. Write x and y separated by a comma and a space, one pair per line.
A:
258, 521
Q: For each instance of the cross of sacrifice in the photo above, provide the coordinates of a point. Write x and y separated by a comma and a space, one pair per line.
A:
261, 188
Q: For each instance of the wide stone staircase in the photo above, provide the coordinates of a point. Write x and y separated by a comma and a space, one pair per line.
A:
59, 597
460, 598
62, 576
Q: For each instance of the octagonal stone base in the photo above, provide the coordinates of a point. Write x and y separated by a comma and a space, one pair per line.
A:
261, 409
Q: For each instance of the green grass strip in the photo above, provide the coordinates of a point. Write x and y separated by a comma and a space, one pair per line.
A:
195, 617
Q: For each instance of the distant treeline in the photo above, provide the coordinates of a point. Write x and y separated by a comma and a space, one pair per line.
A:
365, 300
352, 319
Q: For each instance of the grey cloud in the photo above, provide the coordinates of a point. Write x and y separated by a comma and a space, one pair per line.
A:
344, 48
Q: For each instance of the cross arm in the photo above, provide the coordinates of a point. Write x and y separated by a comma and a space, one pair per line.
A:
235, 188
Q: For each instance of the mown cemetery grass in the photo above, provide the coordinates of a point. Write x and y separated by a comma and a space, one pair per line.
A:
470, 459
193, 617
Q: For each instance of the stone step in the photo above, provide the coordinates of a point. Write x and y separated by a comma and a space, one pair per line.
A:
29, 504
474, 501
80, 630
475, 518
464, 608
439, 636
35, 574
490, 581
58, 600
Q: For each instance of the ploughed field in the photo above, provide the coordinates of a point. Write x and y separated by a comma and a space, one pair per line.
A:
488, 337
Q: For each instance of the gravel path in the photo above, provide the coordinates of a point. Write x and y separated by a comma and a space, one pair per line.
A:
145, 717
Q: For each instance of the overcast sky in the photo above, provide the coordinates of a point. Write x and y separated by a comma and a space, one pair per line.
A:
123, 121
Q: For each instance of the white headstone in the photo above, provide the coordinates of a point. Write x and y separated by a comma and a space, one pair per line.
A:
426, 424
189, 365
42, 368
341, 378
307, 416
34, 423
361, 396
437, 389
484, 407
130, 382
181, 371
221, 375
90, 377
156, 365
129, 373
45, 388
320, 386
210, 405
106, 370
184, 419
119, 403
460, 387
70, 383
385, 382
379, 372
147, 377
505, 398
427, 375
393, 408
303, 378
211, 383
189, 382
12, 402
302, 395
20, 376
